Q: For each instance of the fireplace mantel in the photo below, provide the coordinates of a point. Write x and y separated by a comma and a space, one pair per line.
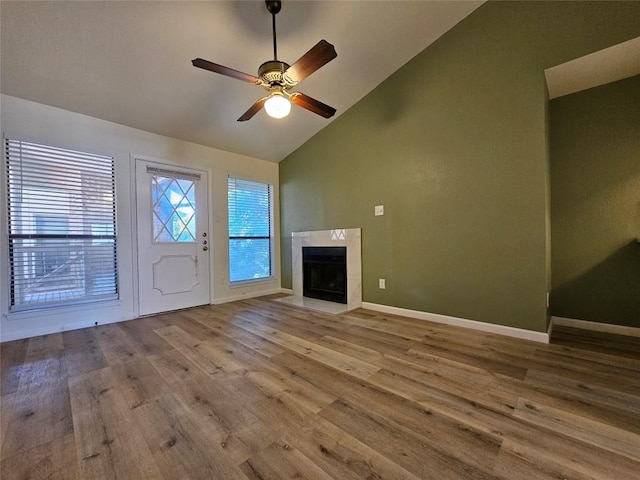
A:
342, 237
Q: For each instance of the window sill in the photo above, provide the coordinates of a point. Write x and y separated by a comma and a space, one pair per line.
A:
26, 313
245, 283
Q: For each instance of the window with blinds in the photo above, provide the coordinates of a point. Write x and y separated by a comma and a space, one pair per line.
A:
62, 229
250, 240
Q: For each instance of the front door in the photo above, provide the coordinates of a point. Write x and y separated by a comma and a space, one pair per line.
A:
173, 237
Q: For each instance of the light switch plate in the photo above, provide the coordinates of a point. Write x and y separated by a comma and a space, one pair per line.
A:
379, 210
382, 283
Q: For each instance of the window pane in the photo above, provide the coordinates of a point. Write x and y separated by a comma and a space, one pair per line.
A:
249, 230
249, 212
55, 270
62, 241
249, 259
174, 208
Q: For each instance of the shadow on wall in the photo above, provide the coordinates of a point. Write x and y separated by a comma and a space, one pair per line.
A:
608, 292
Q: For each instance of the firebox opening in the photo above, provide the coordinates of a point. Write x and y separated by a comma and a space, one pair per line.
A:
324, 273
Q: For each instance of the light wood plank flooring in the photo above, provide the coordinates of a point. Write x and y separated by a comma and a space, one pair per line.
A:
261, 390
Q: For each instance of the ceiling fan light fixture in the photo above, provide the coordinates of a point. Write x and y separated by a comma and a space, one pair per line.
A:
277, 105
278, 77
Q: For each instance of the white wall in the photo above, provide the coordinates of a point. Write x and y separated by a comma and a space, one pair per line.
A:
24, 120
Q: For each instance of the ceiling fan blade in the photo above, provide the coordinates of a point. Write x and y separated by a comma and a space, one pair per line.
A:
255, 108
229, 72
313, 105
320, 55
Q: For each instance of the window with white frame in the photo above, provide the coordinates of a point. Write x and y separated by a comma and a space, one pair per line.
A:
250, 233
62, 226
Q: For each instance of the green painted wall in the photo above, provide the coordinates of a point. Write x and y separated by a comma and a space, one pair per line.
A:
595, 204
455, 145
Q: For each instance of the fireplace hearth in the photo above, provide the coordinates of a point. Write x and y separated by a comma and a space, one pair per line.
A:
324, 273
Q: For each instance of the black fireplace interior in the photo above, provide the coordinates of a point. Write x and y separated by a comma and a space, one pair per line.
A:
324, 273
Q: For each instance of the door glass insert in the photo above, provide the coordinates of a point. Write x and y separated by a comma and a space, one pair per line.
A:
174, 209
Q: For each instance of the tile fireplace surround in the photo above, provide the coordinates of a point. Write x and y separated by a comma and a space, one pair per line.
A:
343, 237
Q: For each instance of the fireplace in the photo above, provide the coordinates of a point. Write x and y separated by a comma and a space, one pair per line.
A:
324, 273
348, 240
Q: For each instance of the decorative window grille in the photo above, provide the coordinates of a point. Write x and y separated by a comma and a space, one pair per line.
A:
62, 226
250, 237
174, 209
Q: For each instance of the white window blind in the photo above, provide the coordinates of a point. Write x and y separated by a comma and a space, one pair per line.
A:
250, 239
62, 229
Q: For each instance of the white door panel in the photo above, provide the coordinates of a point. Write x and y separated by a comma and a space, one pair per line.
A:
173, 239
175, 274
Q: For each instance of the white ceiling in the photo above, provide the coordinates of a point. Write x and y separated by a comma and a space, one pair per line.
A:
130, 62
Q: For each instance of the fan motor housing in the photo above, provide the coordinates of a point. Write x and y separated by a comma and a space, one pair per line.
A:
272, 71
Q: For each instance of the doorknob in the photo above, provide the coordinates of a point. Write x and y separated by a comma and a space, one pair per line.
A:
205, 248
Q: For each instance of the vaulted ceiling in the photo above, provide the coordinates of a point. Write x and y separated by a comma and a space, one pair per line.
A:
130, 62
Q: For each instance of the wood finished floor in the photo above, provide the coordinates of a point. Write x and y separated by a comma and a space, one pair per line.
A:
261, 390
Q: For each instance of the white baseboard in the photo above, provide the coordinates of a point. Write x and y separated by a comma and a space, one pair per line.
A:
244, 296
541, 337
287, 291
596, 326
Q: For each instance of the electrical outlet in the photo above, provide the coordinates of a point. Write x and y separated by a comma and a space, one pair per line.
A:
378, 210
382, 283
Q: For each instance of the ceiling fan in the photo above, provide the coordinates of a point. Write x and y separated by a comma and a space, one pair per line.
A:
278, 78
